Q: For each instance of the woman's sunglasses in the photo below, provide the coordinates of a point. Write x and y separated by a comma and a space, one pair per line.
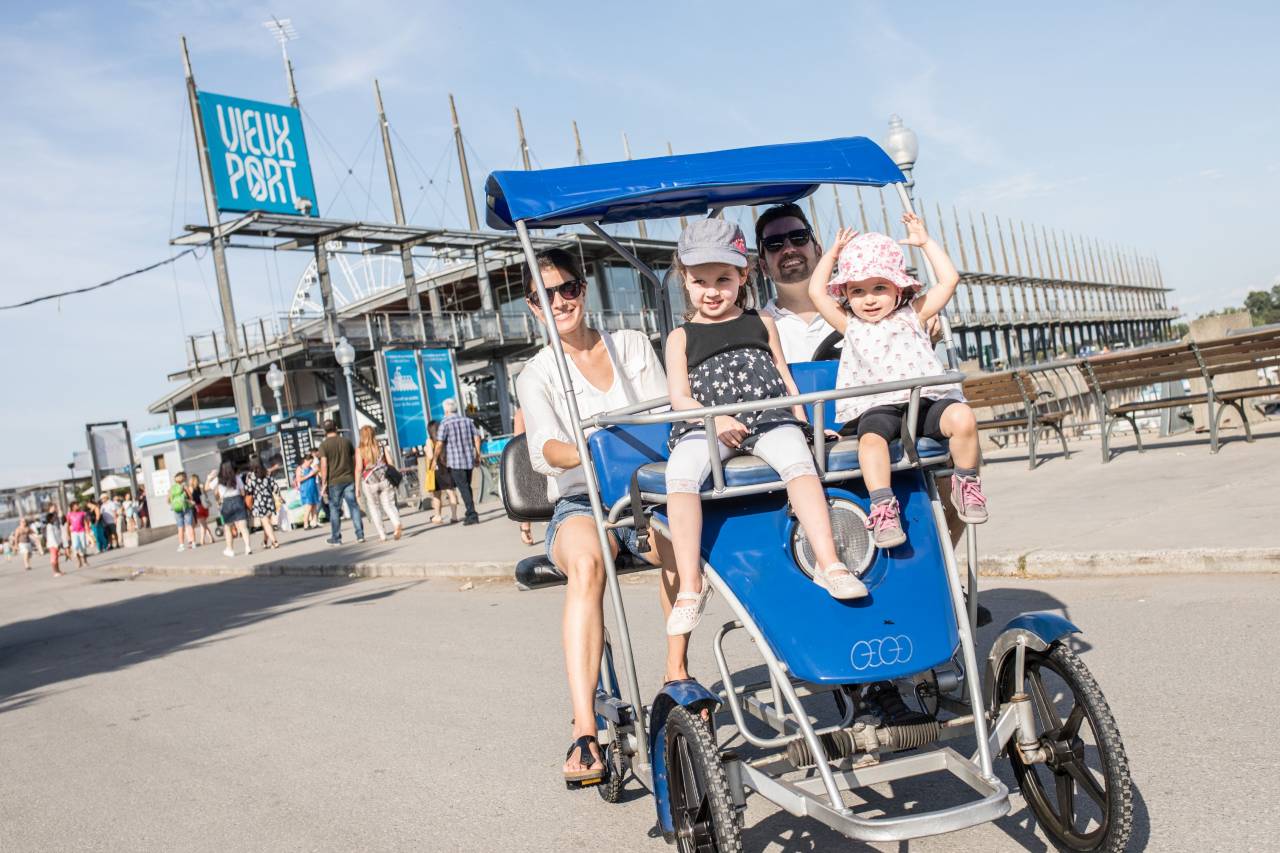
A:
799, 237
568, 291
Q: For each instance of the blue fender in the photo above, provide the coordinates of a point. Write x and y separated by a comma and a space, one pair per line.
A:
689, 694
1038, 630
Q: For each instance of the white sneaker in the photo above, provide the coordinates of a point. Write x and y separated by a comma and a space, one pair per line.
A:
181, 547
248, 551
229, 552
840, 582
685, 617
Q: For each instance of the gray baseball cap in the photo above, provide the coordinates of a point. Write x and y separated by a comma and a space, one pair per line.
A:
712, 241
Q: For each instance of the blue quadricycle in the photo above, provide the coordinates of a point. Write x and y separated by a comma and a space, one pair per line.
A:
785, 739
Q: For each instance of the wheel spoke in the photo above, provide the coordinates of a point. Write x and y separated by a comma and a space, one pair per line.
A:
1071, 727
1048, 713
1066, 801
1089, 784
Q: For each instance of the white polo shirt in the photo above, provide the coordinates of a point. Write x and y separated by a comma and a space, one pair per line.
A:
799, 339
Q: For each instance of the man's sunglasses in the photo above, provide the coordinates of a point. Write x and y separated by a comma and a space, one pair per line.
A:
799, 237
568, 291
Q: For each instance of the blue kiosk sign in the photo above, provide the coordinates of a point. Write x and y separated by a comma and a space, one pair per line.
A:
407, 403
258, 156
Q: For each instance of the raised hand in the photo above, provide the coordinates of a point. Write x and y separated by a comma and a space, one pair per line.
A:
844, 237
916, 234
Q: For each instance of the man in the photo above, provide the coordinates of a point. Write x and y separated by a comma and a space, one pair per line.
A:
111, 518
460, 445
788, 250
338, 479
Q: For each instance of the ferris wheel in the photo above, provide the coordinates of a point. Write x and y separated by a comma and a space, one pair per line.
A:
356, 276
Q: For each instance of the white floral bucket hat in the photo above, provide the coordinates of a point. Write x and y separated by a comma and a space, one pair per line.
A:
873, 255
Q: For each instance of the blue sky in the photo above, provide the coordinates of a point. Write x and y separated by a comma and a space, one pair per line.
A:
1150, 127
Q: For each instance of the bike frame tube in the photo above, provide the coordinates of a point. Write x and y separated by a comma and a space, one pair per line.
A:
961, 613
593, 486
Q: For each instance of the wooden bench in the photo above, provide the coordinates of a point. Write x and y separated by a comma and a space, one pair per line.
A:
1136, 369
1015, 389
1203, 360
1248, 352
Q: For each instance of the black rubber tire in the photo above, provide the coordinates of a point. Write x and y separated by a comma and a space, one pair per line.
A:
1115, 802
615, 768
704, 818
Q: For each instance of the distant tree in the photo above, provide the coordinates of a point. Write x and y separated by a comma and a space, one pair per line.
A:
1264, 305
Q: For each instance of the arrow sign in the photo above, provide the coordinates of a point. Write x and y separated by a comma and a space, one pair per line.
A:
439, 379
438, 371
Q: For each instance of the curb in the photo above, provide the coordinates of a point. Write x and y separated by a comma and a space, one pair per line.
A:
1190, 561
1032, 564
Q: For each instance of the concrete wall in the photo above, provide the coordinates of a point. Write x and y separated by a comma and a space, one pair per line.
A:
1207, 329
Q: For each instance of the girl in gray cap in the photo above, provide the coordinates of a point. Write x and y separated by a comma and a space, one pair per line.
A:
727, 354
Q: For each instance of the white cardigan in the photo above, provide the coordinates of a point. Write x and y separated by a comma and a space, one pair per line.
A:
637, 376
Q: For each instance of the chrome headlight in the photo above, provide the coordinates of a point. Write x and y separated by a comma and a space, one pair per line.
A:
853, 540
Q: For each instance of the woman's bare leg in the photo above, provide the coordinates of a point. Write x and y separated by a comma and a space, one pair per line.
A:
577, 553
243, 527
663, 555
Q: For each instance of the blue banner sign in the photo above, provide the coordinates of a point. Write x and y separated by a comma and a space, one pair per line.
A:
442, 384
258, 155
406, 397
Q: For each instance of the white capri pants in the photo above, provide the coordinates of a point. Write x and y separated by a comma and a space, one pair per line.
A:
784, 448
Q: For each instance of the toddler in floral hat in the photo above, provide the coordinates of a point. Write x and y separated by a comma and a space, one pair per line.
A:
881, 312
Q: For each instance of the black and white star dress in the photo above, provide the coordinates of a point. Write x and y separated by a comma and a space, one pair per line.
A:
731, 362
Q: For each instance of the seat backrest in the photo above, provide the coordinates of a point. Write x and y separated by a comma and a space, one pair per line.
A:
985, 390
1237, 353
1148, 366
618, 451
524, 490
817, 376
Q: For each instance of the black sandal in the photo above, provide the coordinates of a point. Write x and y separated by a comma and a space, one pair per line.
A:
586, 758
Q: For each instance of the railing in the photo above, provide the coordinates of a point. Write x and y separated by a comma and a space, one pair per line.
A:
269, 334
1043, 316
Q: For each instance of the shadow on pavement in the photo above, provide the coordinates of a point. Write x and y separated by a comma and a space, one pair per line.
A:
38, 653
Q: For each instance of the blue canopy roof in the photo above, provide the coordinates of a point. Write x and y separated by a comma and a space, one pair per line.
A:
683, 185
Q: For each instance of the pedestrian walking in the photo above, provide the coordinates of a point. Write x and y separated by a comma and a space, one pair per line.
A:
307, 479
95, 526
263, 497
111, 520
438, 483
228, 487
372, 464
37, 532
201, 511
338, 479
183, 512
461, 454
54, 537
526, 529
130, 509
22, 541
79, 525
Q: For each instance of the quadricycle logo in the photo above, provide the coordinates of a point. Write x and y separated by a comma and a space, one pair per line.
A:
884, 651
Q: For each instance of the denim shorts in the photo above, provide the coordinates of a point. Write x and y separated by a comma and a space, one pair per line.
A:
184, 517
568, 507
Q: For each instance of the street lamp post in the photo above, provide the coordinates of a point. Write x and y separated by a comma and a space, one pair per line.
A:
275, 381
345, 354
902, 147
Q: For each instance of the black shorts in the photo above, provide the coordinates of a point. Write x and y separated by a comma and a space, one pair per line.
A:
886, 421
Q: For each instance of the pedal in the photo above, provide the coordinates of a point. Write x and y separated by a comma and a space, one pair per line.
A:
585, 783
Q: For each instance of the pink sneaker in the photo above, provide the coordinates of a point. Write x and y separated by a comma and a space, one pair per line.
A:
885, 526
968, 499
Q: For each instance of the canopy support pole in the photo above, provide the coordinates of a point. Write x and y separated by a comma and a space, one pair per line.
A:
593, 484
663, 304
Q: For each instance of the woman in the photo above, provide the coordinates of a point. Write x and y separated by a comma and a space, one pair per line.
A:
609, 371
227, 487
372, 461
53, 537
201, 514
96, 526
264, 495
307, 480
439, 480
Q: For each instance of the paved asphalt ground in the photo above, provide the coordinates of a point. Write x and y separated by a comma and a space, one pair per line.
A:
290, 714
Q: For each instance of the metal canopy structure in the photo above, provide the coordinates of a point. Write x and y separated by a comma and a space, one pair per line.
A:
303, 232
683, 185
